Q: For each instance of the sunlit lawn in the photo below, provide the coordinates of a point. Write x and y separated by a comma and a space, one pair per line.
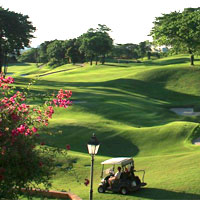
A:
127, 106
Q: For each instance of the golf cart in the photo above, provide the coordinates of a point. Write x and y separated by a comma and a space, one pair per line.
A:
127, 182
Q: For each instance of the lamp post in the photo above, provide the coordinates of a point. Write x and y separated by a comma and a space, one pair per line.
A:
93, 147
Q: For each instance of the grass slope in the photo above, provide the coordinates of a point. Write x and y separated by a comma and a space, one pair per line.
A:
127, 106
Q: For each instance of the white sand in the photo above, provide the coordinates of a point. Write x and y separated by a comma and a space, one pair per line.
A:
185, 111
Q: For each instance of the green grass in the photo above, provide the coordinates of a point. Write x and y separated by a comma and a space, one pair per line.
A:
127, 106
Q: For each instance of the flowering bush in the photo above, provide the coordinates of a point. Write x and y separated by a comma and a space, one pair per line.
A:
22, 163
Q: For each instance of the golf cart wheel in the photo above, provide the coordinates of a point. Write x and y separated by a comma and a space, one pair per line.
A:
124, 190
101, 189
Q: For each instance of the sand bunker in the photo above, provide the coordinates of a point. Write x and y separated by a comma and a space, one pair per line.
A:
185, 111
196, 141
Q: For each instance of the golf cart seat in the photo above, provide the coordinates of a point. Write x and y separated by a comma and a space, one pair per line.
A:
123, 176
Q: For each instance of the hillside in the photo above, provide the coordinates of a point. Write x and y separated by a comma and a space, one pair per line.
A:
127, 107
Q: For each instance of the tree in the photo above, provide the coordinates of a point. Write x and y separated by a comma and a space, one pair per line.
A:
59, 52
144, 49
42, 52
180, 30
56, 52
87, 45
104, 44
15, 33
127, 51
29, 55
96, 43
73, 53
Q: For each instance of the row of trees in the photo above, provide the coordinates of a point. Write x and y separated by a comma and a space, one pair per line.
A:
178, 30
131, 51
95, 44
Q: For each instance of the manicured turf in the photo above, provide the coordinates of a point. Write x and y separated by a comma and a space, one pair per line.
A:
127, 106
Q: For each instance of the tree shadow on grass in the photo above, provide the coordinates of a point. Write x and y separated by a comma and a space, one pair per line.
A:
19, 64
130, 64
78, 137
133, 99
151, 89
170, 61
155, 193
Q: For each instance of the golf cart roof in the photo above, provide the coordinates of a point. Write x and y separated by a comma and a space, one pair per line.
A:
118, 161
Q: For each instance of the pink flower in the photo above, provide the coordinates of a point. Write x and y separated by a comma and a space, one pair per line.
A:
55, 101
12, 100
24, 105
39, 119
34, 130
21, 129
40, 164
19, 108
5, 87
28, 132
14, 132
14, 117
68, 147
9, 80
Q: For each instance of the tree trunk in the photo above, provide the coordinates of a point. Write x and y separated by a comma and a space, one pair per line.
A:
149, 55
103, 60
96, 60
1, 64
1, 59
5, 64
192, 59
1, 52
90, 61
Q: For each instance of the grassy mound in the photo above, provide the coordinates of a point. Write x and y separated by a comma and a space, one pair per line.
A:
127, 106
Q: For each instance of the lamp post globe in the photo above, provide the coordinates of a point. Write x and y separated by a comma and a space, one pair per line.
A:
93, 147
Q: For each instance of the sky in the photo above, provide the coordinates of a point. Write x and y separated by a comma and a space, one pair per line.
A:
130, 20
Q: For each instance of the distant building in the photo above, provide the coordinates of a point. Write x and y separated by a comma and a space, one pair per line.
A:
161, 49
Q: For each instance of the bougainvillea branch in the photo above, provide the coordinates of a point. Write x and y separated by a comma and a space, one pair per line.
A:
21, 163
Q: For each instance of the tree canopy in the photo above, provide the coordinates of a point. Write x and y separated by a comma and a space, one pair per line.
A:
15, 33
131, 51
28, 56
96, 42
180, 30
